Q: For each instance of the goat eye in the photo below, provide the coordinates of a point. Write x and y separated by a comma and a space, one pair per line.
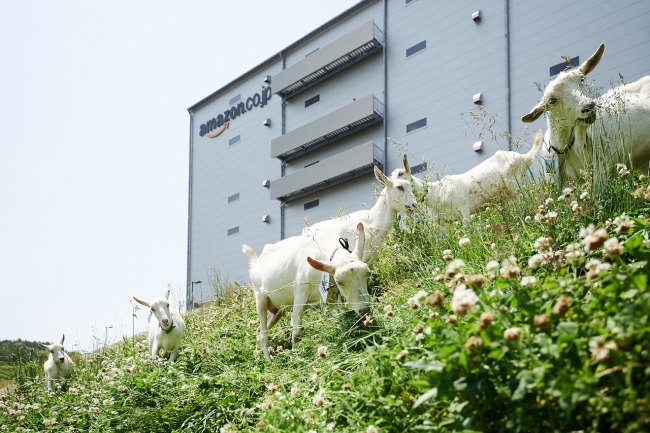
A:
153, 309
401, 188
552, 101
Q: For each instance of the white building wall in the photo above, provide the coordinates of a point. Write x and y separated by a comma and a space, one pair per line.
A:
462, 57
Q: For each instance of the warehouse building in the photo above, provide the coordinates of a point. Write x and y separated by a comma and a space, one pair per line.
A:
295, 139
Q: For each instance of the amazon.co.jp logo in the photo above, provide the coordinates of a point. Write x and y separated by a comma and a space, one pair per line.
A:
223, 128
221, 122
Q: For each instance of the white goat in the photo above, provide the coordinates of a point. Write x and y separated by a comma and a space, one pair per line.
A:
397, 196
166, 326
617, 122
287, 275
459, 195
58, 364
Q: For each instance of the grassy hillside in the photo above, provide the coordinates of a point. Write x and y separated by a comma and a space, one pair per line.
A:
15, 356
554, 336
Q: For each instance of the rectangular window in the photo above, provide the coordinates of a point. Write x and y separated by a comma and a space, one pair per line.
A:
311, 101
234, 140
416, 48
311, 204
565, 65
235, 100
233, 197
233, 231
312, 52
416, 125
419, 168
312, 163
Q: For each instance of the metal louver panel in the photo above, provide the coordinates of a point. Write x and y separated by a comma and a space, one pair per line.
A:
345, 51
331, 171
346, 120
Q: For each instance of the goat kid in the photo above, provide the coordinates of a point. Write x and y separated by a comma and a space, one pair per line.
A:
166, 326
287, 275
617, 122
397, 196
58, 364
459, 195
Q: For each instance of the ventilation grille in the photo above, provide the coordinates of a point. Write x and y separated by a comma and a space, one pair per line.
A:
331, 68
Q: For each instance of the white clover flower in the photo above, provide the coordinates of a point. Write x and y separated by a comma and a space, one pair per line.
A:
509, 268
464, 242
319, 399
528, 218
566, 192
542, 244
492, 265
536, 261
613, 246
420, 295
539, 217
600, 349
322, 351
574, 206
314, 377
295, 391
447, 256
371, 429
454, 266
584, 195
623, 224
464, 300
592, 263
551, 216
574, 253
528, 280
548, 201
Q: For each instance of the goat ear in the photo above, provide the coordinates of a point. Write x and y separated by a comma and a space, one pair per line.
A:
592, 61
321, 266
167, 291
381, 178
62, 339
407, 167
361, 242
533, 115
139, 301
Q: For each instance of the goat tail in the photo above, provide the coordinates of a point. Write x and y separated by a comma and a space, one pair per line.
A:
250, 252
537, 143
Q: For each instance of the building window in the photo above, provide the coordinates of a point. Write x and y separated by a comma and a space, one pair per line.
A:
416, 125
311, 101
312, 163
312, 52
234, 140
416, 48
409, 1
233, 231
233, 198
235, 100
565, 65
419, 168
311, 204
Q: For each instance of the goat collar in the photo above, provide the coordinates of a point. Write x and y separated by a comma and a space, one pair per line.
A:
171, 328
346, 246
568, 146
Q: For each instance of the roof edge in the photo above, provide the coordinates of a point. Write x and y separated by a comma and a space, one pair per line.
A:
278, 55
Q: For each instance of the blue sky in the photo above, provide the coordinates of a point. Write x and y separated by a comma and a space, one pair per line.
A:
94, 148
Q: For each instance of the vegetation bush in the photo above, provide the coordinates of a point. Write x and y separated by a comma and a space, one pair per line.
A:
532, 316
